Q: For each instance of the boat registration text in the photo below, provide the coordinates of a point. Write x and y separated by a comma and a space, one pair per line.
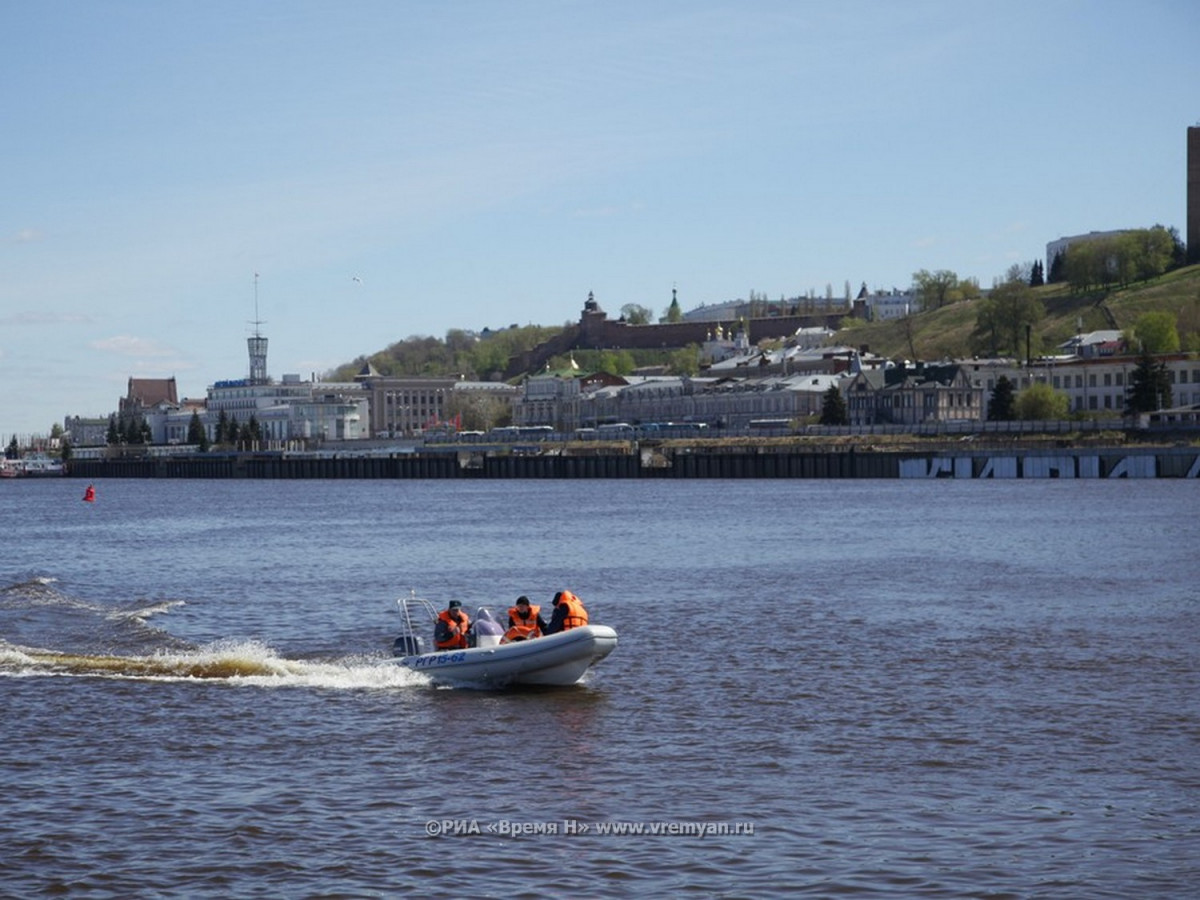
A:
437, 659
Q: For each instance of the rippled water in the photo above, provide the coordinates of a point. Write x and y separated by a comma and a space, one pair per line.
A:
917, 689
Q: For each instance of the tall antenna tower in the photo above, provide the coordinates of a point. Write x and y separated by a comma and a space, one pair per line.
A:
257, 345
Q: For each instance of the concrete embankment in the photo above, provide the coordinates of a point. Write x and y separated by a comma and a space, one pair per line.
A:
1083, 462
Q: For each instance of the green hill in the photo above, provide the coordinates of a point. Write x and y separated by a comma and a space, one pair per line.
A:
945, 333
939, 334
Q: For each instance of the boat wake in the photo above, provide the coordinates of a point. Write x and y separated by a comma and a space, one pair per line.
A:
46, 632
248, 664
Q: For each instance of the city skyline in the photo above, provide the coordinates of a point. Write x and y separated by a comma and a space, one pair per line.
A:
381, 170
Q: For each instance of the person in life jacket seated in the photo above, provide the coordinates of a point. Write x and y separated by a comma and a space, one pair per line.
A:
524, 621
450, 633
568, 613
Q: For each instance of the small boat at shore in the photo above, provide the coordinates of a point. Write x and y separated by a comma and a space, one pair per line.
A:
557, 659
33, 466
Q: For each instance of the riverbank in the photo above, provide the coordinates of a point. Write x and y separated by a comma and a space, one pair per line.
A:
731, 460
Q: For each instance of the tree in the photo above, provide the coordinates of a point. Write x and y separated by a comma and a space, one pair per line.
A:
934, 289
616, 362
1149, 386
196, 434
219, 429
133, 431
1037, 275
1001, 405
13, 450
65, 450
1156, 333
1003, 318
636, 315
1178, 249
1152, 251
1040, 401
833, 407
1057, 270
685, 361
113, 435
1020, 272
476, 410
1135, 255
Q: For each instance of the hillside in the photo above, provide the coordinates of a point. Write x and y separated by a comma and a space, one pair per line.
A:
939, 334
944, 333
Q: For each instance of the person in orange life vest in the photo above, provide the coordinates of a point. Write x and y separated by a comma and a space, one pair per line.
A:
452, 627
568, 613
524, 621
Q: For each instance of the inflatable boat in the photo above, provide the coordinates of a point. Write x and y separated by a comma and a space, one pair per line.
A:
556, 659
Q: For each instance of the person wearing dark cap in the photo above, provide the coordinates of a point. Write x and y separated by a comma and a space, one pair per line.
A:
568, 613
524, 621
450, 633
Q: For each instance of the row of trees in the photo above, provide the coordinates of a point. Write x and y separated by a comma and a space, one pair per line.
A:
1119, 259
478, 357
135, 430
933, 290
131, 430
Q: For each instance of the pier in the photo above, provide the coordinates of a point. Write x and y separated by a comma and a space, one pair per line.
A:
680, 462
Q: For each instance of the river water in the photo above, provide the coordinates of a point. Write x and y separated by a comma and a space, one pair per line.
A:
831, 688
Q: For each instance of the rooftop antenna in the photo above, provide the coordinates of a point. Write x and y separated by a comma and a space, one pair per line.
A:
257, 345
257, 321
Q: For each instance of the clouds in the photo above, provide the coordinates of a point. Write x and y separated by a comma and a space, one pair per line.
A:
128, 345
31, 317
493, 168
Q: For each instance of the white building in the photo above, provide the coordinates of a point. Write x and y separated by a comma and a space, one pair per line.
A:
891, 305
287, 411
1092, 384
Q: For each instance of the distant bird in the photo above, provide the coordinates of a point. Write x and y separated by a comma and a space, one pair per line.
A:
356, 278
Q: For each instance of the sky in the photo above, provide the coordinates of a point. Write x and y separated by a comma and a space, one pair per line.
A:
351, 174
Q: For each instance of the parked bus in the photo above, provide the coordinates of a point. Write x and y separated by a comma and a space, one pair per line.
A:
666, 430
615, 431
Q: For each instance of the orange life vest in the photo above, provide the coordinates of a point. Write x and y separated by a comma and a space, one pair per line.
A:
458, 631
525, 627
576, 615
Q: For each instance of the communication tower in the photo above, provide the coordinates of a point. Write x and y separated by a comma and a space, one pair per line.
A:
257, 345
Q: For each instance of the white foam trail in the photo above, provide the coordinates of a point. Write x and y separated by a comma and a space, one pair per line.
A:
244, 663
145, 612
